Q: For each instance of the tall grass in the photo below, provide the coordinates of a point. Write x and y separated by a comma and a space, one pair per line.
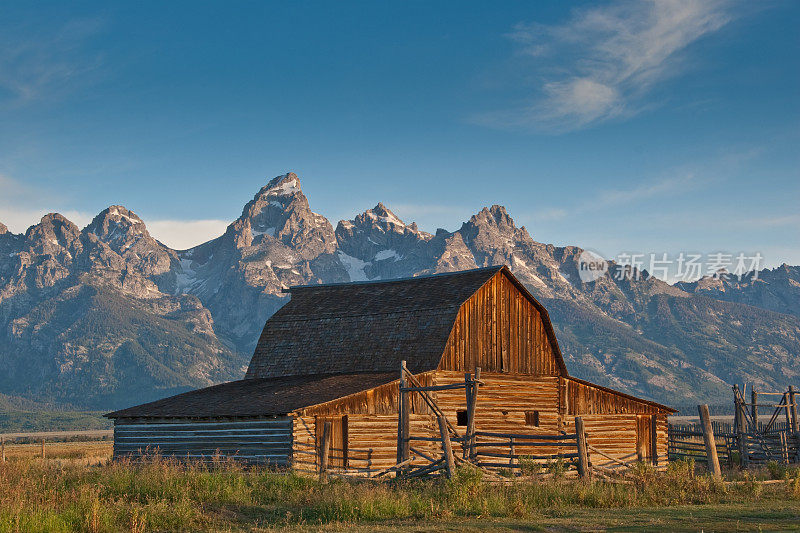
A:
164, 495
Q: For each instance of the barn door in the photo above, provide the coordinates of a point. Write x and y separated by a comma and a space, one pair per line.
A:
646, 438
337, 456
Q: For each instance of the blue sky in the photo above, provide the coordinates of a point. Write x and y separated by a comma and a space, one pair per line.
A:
619, 126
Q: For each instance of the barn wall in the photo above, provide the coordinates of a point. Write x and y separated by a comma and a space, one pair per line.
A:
503, 400
261, 441
371, 444
616, 435
500, 330
582, 398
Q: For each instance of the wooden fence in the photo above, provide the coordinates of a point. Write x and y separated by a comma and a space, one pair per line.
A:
762, 431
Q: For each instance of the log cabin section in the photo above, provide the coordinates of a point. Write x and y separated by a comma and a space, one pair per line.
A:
333, 354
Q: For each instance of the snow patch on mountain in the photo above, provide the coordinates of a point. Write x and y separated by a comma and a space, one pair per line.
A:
354, 266
387, 254
286, 188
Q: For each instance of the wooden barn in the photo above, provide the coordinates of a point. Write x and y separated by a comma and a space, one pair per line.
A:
333, 354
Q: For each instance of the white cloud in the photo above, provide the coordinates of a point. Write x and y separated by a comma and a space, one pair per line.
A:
20, 208
603, 61
18, 220
183, 234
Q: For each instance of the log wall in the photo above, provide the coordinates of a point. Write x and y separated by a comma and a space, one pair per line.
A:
613, 421
372, 443
262, 441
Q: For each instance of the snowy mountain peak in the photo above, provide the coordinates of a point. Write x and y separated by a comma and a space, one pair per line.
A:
286, 185
380, 213
117, 224
280, 211
3, 229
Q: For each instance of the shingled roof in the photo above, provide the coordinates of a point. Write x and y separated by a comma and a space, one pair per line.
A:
257, 397
364, 326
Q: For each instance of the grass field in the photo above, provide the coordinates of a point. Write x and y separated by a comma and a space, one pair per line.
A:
76, 489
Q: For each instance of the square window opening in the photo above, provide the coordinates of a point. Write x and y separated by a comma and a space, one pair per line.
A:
532, 418
461, 417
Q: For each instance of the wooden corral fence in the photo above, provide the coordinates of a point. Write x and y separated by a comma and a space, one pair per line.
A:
750, 439
421, 453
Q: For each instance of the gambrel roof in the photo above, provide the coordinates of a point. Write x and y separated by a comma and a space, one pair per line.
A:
371, 326
331, 341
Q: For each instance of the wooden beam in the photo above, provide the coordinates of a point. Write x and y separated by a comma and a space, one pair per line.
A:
754, 398
325, 450
471, 407
447, 448
711, 445
404, 420
793, 405
741, 428
583, 452
3, 449
654, 439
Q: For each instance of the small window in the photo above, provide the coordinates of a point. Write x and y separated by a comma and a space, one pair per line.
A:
461, 417
532, 418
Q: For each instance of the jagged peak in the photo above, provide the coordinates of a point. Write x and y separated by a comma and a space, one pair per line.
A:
115, 221
495, 215
51, 218
3, 229
382, 213
120, 211
285, 185
53, 221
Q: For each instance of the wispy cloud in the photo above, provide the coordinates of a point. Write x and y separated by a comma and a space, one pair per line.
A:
604, 61
38, 64
676, 184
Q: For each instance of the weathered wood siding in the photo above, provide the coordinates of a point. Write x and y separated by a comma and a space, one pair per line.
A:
263, 441
371, 445
500, 330
617, 436
503, 400
581, 398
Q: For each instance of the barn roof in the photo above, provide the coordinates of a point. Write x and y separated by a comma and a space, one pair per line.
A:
365, 326
257, 397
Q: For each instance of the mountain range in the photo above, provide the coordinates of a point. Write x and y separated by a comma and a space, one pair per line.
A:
107, 316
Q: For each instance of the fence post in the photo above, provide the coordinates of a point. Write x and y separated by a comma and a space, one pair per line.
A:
711, 445
446, 447
471, 405
511, 452
583, 451
793, 422
784, 448
43, 453
403, 429
324, 451
754, 398
3, 448
741, 430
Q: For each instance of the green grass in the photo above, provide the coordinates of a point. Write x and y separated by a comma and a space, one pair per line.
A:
163, 496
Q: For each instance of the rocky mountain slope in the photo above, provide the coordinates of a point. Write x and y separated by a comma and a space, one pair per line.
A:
108, 316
